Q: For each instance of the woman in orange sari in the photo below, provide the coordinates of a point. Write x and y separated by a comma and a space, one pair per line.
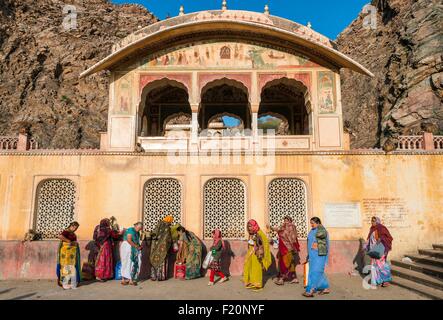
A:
288, 251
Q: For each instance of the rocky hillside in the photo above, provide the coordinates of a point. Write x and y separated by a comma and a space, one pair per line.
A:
41, 62
405, 54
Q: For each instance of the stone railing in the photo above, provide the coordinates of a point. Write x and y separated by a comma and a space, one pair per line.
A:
427, 141
20, 143
438, 142
410, 142
8, 143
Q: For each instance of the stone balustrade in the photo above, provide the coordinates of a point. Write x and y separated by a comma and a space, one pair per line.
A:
427, 141
20, 143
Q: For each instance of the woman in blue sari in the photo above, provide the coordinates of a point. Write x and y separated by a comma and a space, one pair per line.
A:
318, 253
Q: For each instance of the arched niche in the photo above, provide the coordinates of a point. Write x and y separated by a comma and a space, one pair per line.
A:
161, 99
290, 99
224, 97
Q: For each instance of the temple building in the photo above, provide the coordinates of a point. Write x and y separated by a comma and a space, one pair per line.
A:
217, 117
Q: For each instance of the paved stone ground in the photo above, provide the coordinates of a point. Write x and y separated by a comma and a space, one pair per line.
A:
342, 287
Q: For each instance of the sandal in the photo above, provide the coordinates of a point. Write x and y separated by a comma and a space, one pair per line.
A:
326, 291
308, 295
124, 283
385, 284
279, 282
295, 281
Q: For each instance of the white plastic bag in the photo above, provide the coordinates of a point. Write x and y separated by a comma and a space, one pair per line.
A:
207, 262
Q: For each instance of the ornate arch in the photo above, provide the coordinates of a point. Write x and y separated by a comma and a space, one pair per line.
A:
241, 82
290, 83
158, 83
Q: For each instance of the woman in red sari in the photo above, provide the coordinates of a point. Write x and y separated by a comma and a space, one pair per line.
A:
288, 252
103, 237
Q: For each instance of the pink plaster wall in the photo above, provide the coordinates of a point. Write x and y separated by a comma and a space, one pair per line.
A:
37, 260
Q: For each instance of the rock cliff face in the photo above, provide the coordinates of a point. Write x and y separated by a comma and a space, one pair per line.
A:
404, 52
41, 62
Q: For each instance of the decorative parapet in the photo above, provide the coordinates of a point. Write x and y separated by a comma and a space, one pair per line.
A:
234, 15
427, 141
21, 143
438, 142
410, 143
8, 143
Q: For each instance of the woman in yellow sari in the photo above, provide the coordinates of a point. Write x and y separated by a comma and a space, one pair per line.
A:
258, 257
68, 258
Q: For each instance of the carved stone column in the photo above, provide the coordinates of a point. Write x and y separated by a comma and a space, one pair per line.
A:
254, 122
194, 124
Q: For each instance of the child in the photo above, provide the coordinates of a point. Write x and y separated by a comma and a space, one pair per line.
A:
216, 249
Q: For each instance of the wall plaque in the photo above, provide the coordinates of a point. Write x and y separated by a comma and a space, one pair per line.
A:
342, 215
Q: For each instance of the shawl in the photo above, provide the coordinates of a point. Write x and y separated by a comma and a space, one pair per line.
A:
69, 235
383, 234
288, 235
254, 225
102, 232
267, 258
135, 235
161, 242
218, 238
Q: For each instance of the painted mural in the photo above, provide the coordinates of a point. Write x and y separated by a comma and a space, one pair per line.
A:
123, 97
222, 55
326, 92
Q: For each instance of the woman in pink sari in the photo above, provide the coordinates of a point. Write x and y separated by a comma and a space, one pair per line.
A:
288, 252
103, 237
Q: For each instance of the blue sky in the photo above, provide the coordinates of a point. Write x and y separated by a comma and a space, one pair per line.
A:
328, 17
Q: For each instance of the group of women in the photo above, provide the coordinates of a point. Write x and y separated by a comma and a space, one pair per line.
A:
162, 238
188, 249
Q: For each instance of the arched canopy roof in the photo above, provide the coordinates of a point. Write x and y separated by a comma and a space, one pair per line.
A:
225, 25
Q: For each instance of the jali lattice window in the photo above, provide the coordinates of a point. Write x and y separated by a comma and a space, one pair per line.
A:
225, 208
287, 197
55, 206
161, 197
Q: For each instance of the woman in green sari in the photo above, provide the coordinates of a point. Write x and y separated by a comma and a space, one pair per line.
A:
130, 255
190, 253
161, 241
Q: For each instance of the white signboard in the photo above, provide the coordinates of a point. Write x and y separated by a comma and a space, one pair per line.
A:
342, 215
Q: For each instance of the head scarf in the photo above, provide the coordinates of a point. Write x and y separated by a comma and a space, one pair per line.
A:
168, 219
254, 225
217, 236
288, 235
102, 231
383, 233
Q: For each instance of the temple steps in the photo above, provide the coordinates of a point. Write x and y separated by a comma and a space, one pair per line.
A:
419, 267
426, 260
418, 288
431, 253
423, 274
